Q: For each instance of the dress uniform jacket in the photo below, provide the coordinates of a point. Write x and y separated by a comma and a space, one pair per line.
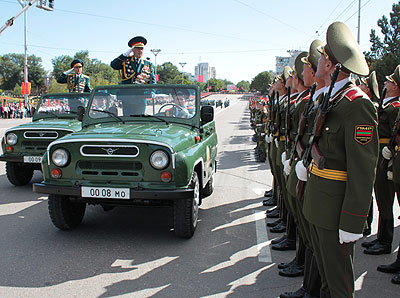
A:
132, 72
75, 83
338, 197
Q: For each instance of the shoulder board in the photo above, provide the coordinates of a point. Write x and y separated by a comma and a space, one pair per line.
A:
85, 76
396, 104
353, 93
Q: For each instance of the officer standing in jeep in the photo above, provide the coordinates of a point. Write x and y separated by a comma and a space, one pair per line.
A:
76, 81
133, 69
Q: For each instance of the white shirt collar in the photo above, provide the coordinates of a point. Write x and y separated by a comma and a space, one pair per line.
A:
387, 99
319, 91
339, 85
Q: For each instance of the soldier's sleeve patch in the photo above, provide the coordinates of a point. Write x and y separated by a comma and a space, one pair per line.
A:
363, 134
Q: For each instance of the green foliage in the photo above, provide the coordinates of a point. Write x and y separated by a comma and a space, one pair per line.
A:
384, 54
261, 82
243, 85
168, 74
100, 74
12, 69
56, 87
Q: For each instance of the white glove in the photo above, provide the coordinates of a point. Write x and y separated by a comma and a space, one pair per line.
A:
68, 71
276, 143
389, 175
346, 237
267, 139
128, 53
386, 153
283, 157
301, 171
286, 167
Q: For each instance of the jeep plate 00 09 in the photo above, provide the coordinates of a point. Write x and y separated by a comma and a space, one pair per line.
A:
24, 145
139, 145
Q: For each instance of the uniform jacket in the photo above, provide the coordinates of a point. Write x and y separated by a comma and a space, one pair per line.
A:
74, 84
349, 142
132, 73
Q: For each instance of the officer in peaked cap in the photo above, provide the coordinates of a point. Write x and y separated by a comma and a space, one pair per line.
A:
131, 65
370, 86
338, 192
76, 81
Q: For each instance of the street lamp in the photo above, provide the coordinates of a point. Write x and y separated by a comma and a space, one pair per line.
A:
155, 52
182, 64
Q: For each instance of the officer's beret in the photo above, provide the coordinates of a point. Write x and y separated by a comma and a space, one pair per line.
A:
313, 54
299, 65
341, 47
76, 62
137, 42
372, 83
395, 76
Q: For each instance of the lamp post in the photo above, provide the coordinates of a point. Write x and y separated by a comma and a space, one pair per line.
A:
155, 52
182, 64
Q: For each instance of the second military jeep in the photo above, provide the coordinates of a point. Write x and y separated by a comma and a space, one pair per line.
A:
24, 145
139, 145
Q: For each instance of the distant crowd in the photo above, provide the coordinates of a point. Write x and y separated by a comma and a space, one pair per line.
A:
16, 111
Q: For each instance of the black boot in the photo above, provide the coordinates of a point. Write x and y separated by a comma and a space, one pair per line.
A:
379, 249
278, 228
292, 270
287, 244
278, 240
284, 265
396, 279
269, 193
274, 223
273, 214
391, 268
271, 201
296, 294
367, 244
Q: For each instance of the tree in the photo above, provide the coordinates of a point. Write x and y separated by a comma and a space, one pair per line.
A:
261, 82
243, 85
168, 73
12, 71
384, 54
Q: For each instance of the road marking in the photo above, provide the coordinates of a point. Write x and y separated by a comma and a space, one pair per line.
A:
13, 208
263, 242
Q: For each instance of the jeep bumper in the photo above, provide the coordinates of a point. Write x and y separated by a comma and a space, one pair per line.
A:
135, 194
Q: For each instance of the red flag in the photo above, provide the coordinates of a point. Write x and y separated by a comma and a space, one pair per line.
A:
20, 104
200, 79
156, 77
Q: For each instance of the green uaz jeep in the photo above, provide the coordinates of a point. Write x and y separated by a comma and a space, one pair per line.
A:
139, 145
24, 145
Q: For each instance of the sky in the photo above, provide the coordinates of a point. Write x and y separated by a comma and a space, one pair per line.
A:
240, 38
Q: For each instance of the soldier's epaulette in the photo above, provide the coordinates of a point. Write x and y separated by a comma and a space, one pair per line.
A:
353, 93
396, 104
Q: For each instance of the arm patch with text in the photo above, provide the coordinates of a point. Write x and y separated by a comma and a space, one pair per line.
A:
363, 133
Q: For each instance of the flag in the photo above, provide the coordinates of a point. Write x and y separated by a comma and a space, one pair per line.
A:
200, 79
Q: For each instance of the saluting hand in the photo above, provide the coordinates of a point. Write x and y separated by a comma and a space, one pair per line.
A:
128, 53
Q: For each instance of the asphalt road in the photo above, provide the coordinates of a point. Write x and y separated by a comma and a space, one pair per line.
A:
132, 252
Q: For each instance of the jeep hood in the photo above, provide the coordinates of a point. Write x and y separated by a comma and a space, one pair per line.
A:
71, 124
177, 136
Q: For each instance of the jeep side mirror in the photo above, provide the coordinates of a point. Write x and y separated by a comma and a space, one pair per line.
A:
207, 114
80, 111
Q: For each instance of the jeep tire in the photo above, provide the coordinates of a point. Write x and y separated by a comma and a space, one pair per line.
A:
209, 188
186, 211
64, 213
17, 174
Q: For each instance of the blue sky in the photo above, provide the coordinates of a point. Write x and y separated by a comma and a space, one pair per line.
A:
240, 38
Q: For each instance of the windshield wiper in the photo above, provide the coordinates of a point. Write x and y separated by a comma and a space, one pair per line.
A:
152, 116
109, 113
69, 112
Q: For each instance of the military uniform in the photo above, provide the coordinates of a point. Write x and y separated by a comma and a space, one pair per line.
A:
75, 83
133, 70
338, 194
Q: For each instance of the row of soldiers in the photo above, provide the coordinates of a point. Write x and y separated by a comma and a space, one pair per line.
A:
329, 144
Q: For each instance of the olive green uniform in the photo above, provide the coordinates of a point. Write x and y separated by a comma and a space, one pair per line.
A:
338, 197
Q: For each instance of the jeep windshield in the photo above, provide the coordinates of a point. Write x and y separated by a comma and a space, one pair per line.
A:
138, 102
60, 105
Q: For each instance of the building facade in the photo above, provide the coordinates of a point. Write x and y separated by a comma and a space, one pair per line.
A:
205, 70
281, 62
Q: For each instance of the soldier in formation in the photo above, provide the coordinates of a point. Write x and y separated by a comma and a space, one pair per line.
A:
329, 144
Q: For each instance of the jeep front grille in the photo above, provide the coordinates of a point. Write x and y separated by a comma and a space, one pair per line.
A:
35, 145
110, 150
41, 134
106, 168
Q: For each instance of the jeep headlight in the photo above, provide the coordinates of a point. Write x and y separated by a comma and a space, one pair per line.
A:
60, 157
159, 160
12, 139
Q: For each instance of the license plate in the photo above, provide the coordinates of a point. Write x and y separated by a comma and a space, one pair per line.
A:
32, 159
105, 192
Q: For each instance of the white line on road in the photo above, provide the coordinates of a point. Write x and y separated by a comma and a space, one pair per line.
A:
264, 254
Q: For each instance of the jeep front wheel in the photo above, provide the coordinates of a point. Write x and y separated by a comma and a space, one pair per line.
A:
186, 211
17, 174
64, 213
